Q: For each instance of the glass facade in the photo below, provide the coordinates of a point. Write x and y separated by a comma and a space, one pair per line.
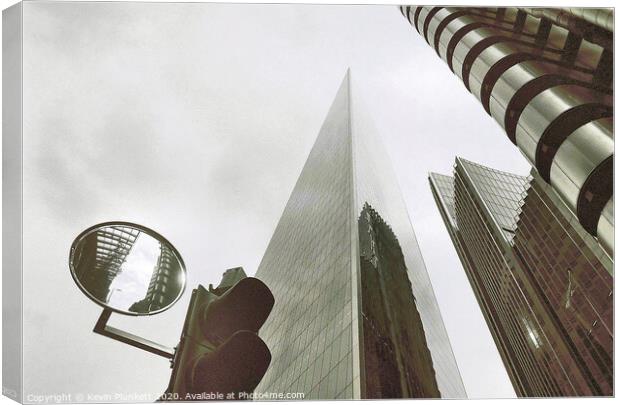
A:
396, 354
522, 256
500, 192
308, 267
574, 285
355, 315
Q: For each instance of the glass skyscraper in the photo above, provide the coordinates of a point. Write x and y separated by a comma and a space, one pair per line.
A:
355, 313
543, 283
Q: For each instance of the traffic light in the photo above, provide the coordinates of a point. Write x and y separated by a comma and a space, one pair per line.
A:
220, 355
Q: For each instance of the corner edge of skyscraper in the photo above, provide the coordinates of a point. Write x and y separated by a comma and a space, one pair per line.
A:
348, 277
546, 76
543, 284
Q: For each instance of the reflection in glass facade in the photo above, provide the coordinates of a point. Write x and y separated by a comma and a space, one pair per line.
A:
396, 352
575, 282
543, 283
355, 314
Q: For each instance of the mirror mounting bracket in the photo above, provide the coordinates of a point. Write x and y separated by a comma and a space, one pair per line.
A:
102, 328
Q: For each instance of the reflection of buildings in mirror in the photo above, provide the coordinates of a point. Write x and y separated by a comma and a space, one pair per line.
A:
165, 283
99, 256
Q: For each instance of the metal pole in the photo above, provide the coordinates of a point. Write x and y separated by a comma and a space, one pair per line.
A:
102, 328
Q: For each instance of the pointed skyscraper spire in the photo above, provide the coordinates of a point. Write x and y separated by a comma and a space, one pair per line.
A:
355, 314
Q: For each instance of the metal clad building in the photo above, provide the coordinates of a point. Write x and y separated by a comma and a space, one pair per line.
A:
546, 76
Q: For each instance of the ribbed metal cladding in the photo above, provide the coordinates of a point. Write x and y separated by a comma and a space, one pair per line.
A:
545, 76
601, 17
605, 226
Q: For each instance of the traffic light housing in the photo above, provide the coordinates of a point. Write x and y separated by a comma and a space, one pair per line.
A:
220, 355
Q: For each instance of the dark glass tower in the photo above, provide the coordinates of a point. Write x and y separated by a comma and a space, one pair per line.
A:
543, 283
355, 313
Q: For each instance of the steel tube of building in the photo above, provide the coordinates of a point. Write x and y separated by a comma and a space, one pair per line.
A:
545, 75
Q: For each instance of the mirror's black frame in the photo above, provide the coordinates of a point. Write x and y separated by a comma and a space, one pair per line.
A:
141, 228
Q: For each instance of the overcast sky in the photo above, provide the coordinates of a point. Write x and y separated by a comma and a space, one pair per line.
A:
195, 120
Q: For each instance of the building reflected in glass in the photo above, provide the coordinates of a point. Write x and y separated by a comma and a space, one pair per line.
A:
355, 314
544, 284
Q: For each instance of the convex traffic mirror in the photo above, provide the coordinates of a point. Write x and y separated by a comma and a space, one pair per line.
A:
127, 268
